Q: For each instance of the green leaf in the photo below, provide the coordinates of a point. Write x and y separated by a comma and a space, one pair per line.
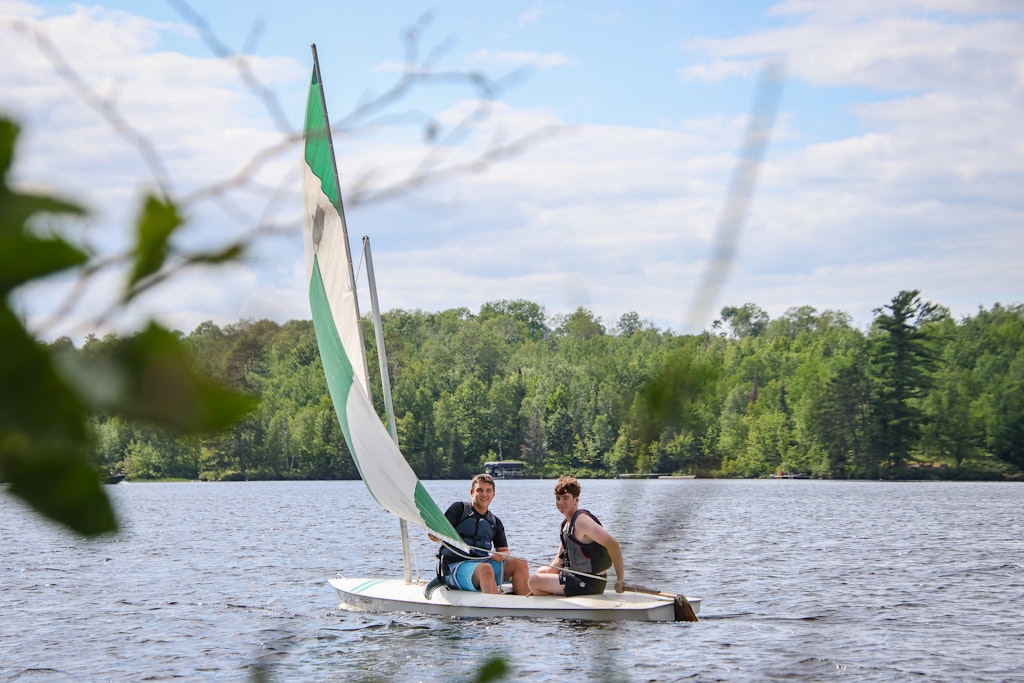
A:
231, 253
36, 400
8, 135
62, 486
43, 435
157, 223
16, 209
24, 257
163, 387
494, 669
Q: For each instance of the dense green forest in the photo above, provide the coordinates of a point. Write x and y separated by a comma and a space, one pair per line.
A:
918, 395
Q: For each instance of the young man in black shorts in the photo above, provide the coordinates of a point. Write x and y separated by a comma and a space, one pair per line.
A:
586, 547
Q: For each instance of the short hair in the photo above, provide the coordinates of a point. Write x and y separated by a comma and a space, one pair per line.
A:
485, 478
567, 485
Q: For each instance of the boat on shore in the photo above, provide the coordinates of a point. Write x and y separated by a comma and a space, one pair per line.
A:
506, 469
653, 475
790, 475
374, 448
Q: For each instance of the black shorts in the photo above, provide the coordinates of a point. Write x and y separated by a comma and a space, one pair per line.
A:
573, 584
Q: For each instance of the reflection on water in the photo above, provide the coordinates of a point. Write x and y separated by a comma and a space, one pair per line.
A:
800, 580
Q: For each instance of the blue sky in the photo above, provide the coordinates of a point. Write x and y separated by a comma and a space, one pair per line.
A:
895, 161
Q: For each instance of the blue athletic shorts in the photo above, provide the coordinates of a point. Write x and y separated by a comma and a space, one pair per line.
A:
460, 574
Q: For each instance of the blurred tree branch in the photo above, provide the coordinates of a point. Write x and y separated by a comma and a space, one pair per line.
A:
438, 163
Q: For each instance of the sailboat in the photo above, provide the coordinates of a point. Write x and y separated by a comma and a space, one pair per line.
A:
388, 476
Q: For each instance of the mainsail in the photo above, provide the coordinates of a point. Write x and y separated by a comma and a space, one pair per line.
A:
332, 297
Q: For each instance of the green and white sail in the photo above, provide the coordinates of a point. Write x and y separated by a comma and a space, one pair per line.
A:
332, 297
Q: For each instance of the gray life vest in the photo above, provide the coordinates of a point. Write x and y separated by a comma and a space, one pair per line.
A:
591, 558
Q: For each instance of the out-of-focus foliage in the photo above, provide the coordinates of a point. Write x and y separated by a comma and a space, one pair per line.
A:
51, 392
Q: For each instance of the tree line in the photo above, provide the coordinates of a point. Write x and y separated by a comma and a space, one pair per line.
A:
915, 395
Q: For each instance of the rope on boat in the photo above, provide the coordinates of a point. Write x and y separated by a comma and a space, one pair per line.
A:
527, 560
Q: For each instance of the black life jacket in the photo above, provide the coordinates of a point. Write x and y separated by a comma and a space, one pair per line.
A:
592, 558
476, 530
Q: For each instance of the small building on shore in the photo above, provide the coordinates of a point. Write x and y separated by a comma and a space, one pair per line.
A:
506, 469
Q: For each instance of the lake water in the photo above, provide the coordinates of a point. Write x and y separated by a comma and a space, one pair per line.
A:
801, 580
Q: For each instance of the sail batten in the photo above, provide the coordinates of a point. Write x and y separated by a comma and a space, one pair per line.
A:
333, 302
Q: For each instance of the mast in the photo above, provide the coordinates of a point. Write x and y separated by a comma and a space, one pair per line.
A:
385, 381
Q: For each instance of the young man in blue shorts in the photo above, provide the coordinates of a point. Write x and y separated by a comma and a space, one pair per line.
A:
487, 564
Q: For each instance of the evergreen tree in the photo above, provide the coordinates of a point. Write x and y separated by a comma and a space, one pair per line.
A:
902, 363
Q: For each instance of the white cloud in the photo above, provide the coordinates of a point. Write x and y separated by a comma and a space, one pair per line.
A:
839, 11
718, 70
878, 45
531, 16
521, 58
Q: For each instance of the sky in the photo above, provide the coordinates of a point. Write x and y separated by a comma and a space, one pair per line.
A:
601, 173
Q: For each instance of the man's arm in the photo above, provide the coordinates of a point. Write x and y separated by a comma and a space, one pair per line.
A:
589, 530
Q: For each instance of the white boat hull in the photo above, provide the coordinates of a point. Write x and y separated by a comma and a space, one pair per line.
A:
395, 595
